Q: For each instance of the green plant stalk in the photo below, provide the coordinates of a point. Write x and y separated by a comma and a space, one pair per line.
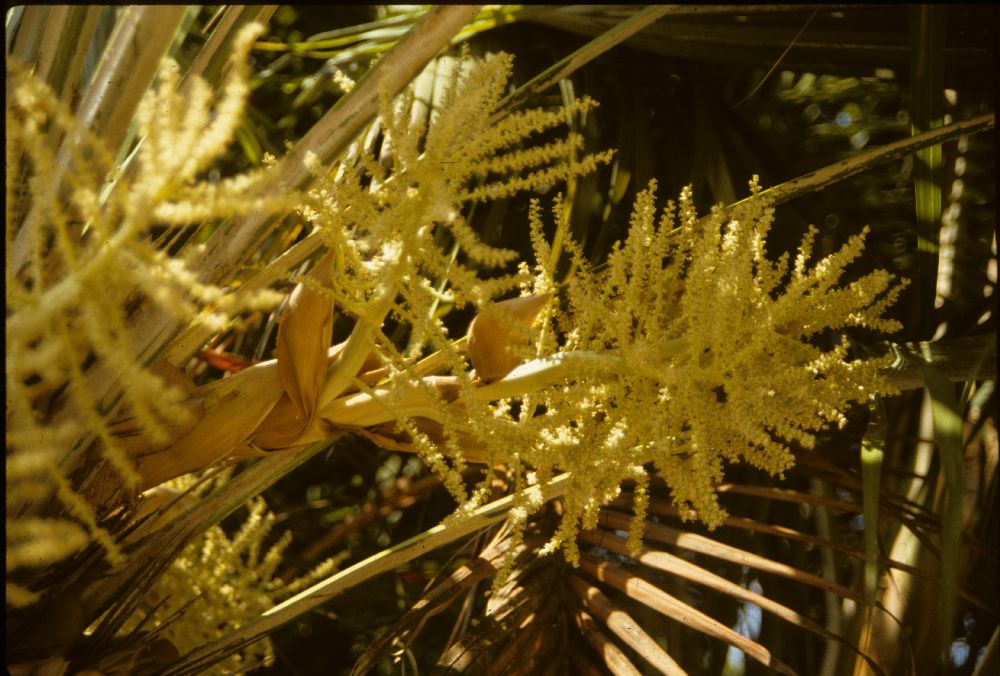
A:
838, 171
927, 37
947, 414
387, 560
493, 16
332, 37
379, 36
337, 45
872, 454
834, 617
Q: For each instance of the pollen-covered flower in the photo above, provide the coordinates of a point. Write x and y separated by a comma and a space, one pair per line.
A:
388, 219
87, 240
691, 351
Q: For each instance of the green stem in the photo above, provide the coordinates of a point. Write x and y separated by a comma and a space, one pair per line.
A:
838, 171
872, 453
946, 411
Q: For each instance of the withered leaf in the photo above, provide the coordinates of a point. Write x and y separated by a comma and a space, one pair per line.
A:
497, 332
233, 409
303, 340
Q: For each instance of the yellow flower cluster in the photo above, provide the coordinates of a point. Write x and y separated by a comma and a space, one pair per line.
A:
393, 223
217, 584
81, 253
403, 246
692, 350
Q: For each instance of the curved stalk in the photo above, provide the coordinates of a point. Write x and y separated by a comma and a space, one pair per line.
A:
366, 409
359, 345
540, 373
959, 360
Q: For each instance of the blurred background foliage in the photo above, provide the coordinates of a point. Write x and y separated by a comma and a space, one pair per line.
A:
707, 96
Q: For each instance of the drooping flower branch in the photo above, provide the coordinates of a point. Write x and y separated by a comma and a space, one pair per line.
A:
692, 350
717, 362
80, 251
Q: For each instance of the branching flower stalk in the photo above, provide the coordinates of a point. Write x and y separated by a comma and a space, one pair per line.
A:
691, 351
717, 360
89, 253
